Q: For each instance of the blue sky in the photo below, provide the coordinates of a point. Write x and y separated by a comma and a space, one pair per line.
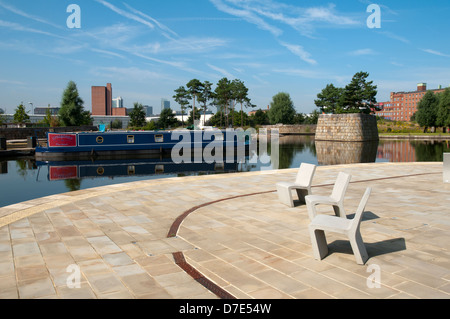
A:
147, 49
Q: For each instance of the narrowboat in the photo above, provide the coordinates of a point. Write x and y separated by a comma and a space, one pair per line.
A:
66, 146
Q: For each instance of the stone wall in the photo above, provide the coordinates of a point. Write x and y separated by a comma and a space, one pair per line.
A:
347, 128
293, 129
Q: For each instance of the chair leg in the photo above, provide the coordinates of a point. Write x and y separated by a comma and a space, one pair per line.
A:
339, 211
311, 210
285, 196
319, 243
302, 193
359, 249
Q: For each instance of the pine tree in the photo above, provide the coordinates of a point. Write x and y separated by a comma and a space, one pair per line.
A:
72, 111
329, 100
182, 97
359, 96
21, 116
137, 115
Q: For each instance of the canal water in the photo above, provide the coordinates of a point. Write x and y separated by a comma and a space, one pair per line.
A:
26, 179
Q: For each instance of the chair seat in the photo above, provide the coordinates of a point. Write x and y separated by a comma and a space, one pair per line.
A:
292, 185
331, 223
318, 199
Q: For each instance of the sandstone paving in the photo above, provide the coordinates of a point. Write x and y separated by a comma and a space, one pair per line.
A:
238, 236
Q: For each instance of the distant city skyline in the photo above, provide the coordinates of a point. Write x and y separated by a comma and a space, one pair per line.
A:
147, 49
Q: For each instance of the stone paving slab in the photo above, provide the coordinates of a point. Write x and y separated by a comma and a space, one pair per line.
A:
234, 238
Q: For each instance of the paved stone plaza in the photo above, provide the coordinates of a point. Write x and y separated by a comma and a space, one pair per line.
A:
228, 236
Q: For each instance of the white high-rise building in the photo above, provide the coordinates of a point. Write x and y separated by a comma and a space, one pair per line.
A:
117, 103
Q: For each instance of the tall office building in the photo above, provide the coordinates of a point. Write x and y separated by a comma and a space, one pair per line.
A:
165, 104
102, 100
148, 110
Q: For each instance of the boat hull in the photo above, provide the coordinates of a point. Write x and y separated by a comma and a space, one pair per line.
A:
69, 146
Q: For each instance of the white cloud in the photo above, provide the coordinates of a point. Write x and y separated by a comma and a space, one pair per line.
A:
299, 51
160, 25
303, 20
26, 15
314, 74
248, 16
18, 27
223, 72
430, 51
11, 82
363, 52
133, 73
126, 14
395, 36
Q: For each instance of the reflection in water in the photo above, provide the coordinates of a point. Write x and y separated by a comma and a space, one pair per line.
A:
293, 146
413, 151
78, 170
335, 153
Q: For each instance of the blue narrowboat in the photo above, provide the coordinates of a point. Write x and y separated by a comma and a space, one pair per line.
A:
63, 146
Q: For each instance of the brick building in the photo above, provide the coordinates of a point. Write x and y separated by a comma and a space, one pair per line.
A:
103, 103
102, 100
403, 105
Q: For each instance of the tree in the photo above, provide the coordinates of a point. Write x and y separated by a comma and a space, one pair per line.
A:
205, 96
182, 97
282, 109
427, 111
443, 110
224, 95
50, 120
137, 115
312, 118
20, 115
194, 114
359, 96
330, 99
260, 118
195, 88
72, 111
167, 119
240, 94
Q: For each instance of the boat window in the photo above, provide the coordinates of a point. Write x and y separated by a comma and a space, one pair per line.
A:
131, 170
100, 171
100, 139
159, 138
219, 166
130, 139
159, 169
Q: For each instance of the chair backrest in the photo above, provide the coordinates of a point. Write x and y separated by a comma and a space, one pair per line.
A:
340, 186
305, 174
356, 221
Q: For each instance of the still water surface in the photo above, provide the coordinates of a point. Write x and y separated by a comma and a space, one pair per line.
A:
26, 179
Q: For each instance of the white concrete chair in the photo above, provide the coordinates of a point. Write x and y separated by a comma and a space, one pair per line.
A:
349, 227
336, 199
302, 185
